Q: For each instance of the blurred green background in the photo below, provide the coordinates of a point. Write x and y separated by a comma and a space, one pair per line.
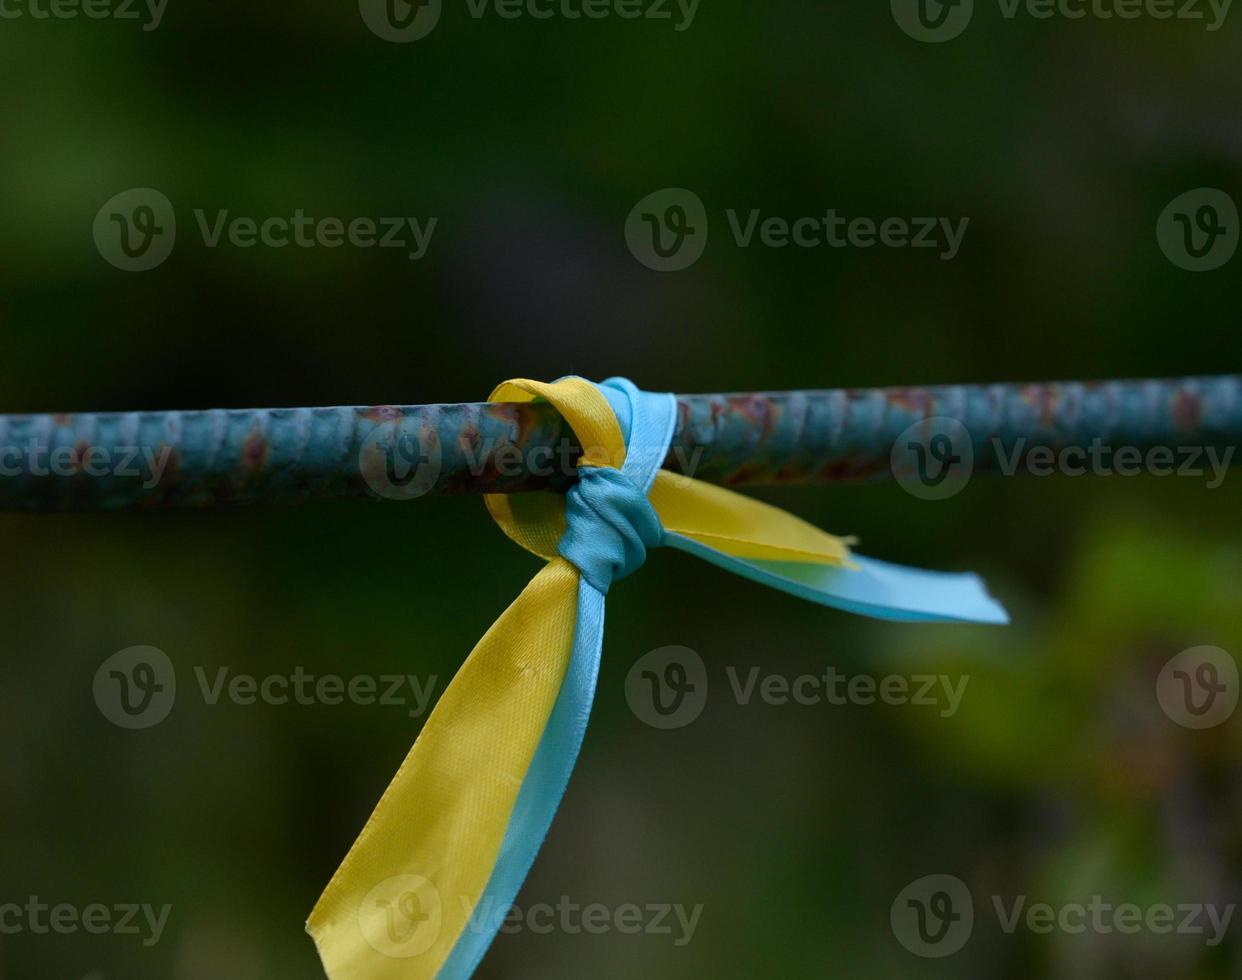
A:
794, 826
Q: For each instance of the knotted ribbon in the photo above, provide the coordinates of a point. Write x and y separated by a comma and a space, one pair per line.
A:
428, 882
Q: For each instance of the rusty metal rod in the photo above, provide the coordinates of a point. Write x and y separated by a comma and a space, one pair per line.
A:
86, 462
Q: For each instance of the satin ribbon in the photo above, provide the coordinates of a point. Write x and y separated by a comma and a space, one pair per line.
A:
428, 882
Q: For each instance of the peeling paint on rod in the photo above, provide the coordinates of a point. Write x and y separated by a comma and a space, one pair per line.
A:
87, 462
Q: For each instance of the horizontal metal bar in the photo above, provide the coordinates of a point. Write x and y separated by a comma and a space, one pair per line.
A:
88, 462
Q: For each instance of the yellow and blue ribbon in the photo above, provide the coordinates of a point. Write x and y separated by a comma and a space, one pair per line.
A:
428, 882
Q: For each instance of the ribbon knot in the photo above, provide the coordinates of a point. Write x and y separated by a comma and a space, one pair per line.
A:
610, 524
428, 883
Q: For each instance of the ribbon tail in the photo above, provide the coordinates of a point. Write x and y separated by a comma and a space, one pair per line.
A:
774, 548
870, 588
408, 889
543, 789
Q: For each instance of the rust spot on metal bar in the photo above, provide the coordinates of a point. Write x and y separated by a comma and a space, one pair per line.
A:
1187, 410
917, 401
469, 437
255, 451
1044, 398
172, 466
